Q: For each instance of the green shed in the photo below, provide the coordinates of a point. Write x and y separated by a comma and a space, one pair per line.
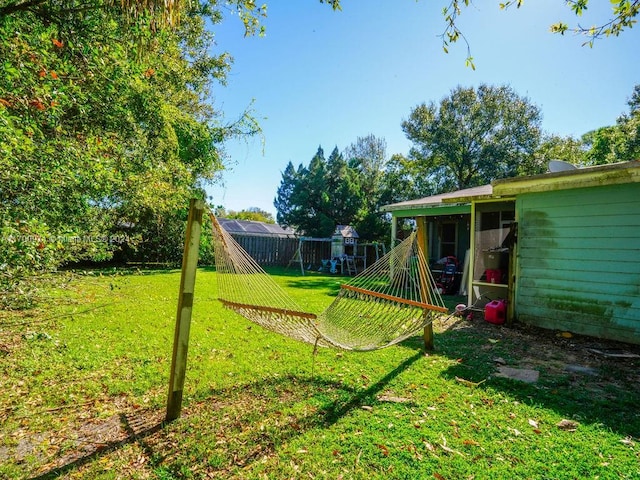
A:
563, 248
577, 257
448, 222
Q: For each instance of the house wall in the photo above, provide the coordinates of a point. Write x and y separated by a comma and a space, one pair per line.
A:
578, 265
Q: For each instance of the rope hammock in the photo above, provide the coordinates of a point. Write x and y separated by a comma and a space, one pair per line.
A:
388, 302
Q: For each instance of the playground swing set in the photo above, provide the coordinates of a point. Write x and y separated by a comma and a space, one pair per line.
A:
338, 260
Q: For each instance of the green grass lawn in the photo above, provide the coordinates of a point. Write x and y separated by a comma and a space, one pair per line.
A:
85, 379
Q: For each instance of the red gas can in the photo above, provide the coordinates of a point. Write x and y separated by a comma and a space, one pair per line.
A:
495, 311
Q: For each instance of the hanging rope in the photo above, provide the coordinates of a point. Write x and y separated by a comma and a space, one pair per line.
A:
386, 303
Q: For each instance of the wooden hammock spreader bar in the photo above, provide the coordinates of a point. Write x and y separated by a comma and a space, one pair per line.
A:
227, 303
384, 296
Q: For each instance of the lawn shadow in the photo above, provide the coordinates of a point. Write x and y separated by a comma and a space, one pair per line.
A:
113, 434
254, 420
336, 410
233, 426
574, 382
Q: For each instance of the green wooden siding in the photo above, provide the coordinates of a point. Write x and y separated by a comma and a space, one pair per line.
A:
579, 260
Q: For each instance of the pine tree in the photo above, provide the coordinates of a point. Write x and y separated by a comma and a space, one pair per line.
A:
282, 202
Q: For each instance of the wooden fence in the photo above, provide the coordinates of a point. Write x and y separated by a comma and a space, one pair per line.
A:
278, 251
267, 250
313, 252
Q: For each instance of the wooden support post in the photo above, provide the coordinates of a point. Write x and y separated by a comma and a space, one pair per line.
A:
423, 244
185, 304
512, 244
394, 230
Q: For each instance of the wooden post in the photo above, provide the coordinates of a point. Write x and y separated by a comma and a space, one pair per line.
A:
512, 244
394, 230
423, 244
185, 304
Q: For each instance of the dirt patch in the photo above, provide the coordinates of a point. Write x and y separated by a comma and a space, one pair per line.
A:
79, 442
558, 353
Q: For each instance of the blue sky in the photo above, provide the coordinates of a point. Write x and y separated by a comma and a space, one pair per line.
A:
325, 78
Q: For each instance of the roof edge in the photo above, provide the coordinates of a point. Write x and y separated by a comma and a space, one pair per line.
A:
598, 175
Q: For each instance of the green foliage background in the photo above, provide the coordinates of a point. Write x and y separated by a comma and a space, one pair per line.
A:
106, 131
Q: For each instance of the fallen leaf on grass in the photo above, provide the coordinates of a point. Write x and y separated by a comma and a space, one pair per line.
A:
469, 383
393, 399
367, 408
430, 448
568, 425
627, 441
443, 445
533, 423
438, 476
383, 449
470, 442
451, 450
412, 449
296, 426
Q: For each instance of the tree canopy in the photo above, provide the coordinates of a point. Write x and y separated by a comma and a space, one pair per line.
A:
309, 199
619, 142
252, 213
106, 130
344, 189
473, 136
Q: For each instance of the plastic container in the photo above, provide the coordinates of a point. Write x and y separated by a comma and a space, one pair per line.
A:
495, 311
493, 275
495, 259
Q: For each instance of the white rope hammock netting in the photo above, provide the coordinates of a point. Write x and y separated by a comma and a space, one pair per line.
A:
386, 303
